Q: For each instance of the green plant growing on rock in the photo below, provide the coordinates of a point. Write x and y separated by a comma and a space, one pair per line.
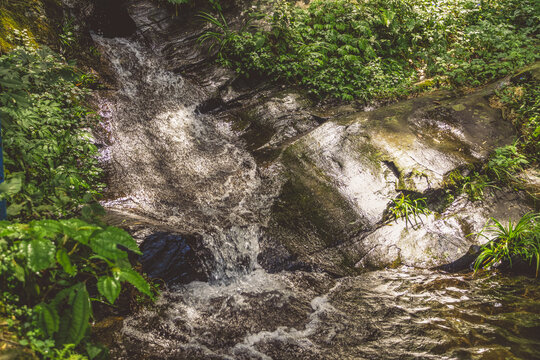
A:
176, 3
67, 36
222, 36
475, 184
515, 240
47, 143
410, 209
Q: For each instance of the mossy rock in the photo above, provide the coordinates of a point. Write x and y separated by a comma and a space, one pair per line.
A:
36, 17
530, 73
342, 176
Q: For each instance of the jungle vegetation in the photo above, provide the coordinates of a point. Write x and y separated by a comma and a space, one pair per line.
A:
379, 49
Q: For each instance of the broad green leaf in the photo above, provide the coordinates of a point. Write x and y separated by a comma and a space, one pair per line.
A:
39, 253
18, 271
135, 279
48, 318
80, 314
105, 243
20, 99
109, 288
78, 230
108, 249
66, 294
120, 237
63, 259
47, 228
15, 209
11, 186
94, 351
11, 83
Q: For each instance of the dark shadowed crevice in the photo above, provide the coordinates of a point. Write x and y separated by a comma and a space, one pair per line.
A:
111, 19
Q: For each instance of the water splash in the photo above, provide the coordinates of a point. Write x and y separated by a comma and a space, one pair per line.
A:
183, 169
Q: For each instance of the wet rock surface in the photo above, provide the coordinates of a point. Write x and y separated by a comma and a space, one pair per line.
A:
174, 258
342, 176
439, 239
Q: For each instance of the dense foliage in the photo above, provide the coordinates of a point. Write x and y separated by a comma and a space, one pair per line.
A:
379, 48
46, 134
520, 104
52, 270
55, 268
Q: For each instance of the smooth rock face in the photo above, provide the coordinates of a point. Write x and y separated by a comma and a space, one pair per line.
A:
438, 240
343, 175
266, 125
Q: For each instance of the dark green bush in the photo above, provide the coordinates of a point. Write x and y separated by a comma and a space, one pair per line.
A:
521, 102
56, 268
47, 147
378, 48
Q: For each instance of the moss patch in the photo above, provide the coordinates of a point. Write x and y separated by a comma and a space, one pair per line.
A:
34, 16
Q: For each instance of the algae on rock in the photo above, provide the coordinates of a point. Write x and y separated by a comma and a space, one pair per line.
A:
36, 17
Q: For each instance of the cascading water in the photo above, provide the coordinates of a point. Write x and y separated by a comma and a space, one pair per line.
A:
180, 168
189, 172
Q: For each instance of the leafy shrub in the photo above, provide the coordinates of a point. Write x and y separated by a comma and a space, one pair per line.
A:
472, 42
521, 240
521, 104
51, 270
506, 161
46, 135
378, 48
57, 268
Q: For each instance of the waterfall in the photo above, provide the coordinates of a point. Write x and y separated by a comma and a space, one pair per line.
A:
183, 169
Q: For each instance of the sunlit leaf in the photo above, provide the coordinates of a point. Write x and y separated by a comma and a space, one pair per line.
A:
39, 253
109, 288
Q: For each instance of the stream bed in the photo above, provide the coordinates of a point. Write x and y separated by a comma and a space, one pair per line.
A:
401, 313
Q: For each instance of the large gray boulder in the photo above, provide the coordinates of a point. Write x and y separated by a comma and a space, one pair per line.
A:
340, 180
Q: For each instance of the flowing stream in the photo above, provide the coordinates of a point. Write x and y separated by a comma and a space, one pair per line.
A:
177, 167
190, 173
